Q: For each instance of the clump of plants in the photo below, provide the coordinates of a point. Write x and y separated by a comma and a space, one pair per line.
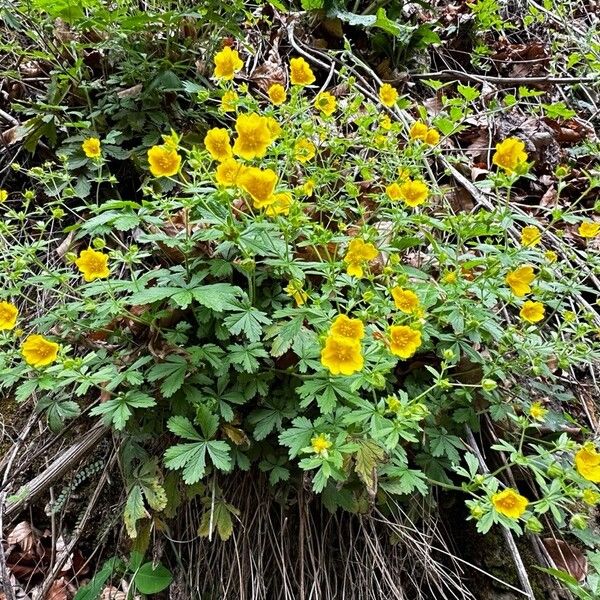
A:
297, 295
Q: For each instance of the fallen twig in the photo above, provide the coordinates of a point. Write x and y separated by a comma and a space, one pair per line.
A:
59, 467
452, 74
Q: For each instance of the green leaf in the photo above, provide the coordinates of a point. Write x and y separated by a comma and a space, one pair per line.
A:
441, 443
216, 296
368, 457
134, 510
266, 419
209, 422
189, 457
219, 518
298, 436
245, 358
312, 4
467, 92
220, 454
151, 580
57, 410
182, 427
117, 411
93, 589
405, 483
248, 320
172, 371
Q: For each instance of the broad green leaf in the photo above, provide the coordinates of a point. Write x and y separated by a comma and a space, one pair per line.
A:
151, 580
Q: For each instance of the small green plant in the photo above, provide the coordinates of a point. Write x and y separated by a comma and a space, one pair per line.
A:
144, 578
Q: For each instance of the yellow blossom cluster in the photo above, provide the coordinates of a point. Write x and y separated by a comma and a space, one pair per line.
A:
342, 353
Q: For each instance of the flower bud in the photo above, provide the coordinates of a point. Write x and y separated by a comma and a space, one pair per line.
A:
579, 521
449, 354
555, 471
477, 512
489, 385
534, 525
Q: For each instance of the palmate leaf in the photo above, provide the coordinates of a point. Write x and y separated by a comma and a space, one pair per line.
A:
173, 372
191, 457
298, 436
247, 320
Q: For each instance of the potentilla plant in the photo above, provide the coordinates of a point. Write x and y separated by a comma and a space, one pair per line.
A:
297, 294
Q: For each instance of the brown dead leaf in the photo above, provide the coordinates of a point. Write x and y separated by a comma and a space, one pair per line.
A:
14, 134
567, 557
236, 435
130, 92
460, 200
479, 144
112, 593
548, 200
65, 244
58, 591
23, 535
265, 75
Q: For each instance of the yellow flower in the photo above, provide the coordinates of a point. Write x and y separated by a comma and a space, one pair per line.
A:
432, 137
93, 264
260, 184
388, 95
280, 205
510, 503
308, 188
91, 147
229, 101
3, 195
532, 312
414, 192
8, 315
520, 279
590, 497
509, 154
274, 128
530, 236
164, 161
537, 411
587, 462
345, 327
404, 340
254, 136
277, 94
295, 291
300, 72
304, 150
418, 131
450, 277
38, 351
228, 172
386, 122
227, 63
320, 444
326, 103
393, 191
588, 229
405, 300
342, 356
358, 253
217, 143
551, 256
